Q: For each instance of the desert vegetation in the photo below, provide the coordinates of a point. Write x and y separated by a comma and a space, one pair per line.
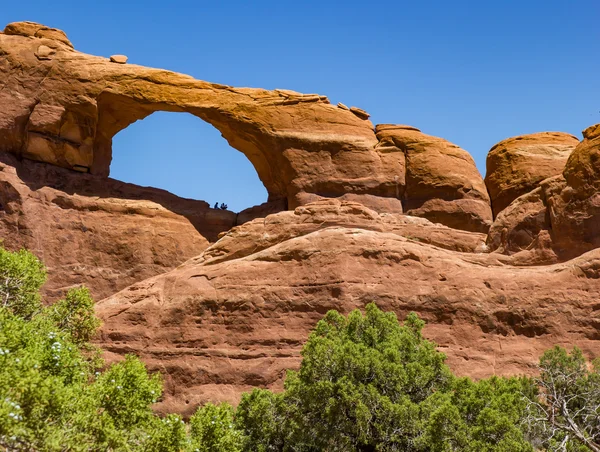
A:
366, 383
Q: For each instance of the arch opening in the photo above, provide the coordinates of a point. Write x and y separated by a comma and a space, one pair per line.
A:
188, 157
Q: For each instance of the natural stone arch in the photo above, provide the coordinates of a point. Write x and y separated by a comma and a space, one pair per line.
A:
302, 147
73, 104
117, 111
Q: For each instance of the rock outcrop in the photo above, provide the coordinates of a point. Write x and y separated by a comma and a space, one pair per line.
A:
574, 211
517, 165
236, 316
442, 182
64, 107
99, 232
560, 219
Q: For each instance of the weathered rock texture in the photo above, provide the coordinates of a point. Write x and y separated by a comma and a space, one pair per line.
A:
64, 107
517, 165
96, 231
236, 316
442, 183
560, 219
575, 211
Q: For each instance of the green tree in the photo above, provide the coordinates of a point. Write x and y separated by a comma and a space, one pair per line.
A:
53, 396
75, 314
367, 383
212, 429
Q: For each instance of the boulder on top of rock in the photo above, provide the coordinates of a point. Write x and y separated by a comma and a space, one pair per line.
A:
442, 182
120, 59
35, 30
362, 114
515, 166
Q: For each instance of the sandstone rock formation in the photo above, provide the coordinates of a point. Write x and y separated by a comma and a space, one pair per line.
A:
517, 165
66, 107
236, 316
442, 182
99, 232
574, 212
220, 303
560, 219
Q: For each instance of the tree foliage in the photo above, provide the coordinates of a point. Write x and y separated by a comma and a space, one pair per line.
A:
367, 383
21, 276
75, 315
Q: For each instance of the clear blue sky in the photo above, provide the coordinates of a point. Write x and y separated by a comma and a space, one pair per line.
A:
474, 72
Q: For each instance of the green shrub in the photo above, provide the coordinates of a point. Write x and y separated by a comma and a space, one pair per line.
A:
75, 315
21, 276
212, 428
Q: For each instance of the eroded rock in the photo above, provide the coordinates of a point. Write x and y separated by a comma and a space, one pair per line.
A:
302, 147
237, 316
99, 232
574, 210
517, 165
442, 182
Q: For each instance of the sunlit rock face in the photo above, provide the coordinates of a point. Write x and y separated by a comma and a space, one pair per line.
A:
237, 315
517, 165
64, 107
220, 302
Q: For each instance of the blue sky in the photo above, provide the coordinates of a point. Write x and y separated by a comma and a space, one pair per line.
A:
473, 72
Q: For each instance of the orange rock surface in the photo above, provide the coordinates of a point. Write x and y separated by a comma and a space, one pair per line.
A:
517, 165
236, 316
64, 109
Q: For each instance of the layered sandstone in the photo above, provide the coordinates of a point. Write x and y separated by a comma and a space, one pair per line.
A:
236, 316
517, 165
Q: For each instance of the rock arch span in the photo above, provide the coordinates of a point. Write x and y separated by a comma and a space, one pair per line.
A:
66, 106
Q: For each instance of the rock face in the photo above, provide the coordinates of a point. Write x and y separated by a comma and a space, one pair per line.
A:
236, 316
517, 165
575, 211
442, 183
99, 232
560, 219
64, 107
